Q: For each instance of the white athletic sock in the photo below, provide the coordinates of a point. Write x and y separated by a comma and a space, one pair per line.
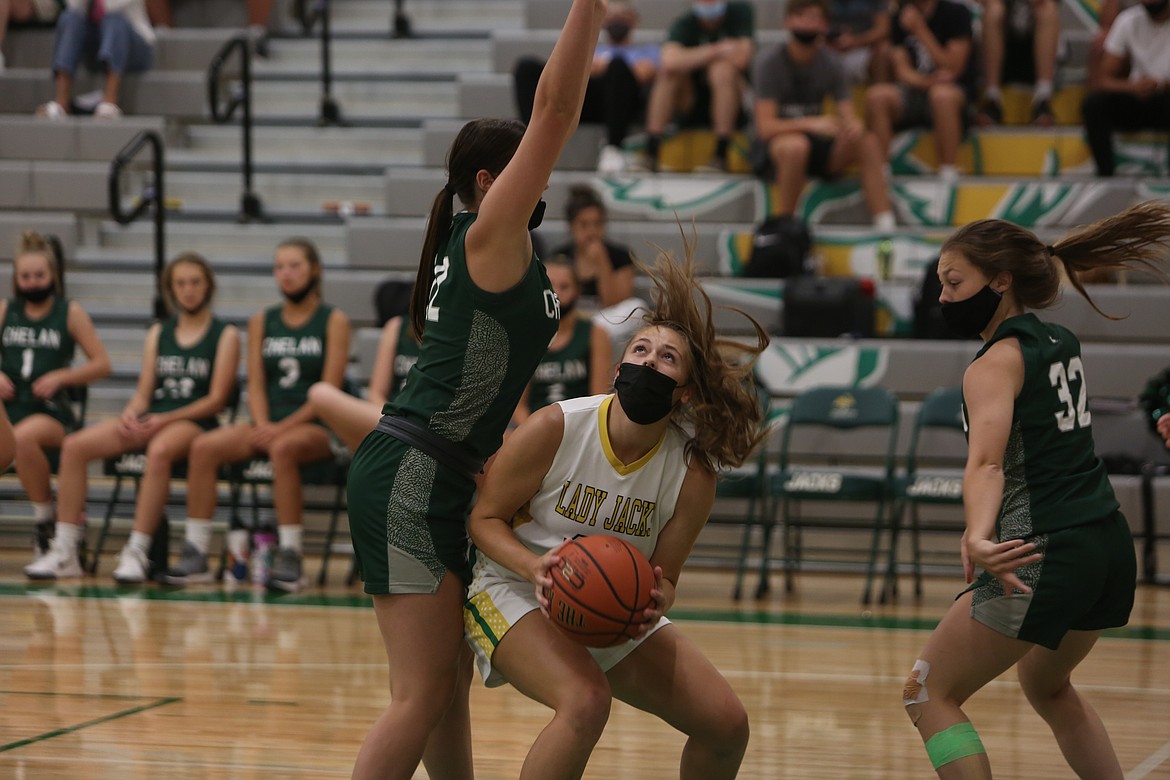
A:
69, 536
1043, 91
885, 221
140, 542
992, 94
42, 512
237, 542
290, 536
199, 534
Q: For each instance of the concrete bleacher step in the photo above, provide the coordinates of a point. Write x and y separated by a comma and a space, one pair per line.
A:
318, 147
76, 138
258, 239
280, 193
175, 49
13, 223
426, 58
177, 94
399, 103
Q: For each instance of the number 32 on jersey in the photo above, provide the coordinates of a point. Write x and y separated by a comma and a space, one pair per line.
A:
1062, 378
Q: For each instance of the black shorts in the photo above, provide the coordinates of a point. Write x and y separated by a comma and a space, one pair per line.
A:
817, 167
1085, 581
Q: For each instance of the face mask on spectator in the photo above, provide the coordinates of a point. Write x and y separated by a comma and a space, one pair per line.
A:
810, 36
617, 31
709, 11
1156, 8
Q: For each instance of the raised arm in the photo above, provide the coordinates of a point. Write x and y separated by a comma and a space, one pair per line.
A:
498, 245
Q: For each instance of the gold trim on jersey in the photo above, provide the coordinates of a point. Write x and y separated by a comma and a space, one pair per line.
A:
603, 429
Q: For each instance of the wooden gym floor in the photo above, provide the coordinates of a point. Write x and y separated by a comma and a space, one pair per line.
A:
98, 681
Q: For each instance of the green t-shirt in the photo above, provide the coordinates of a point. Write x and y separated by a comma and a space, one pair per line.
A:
738, 22
564, 373
1053, 478
479, 349
182, 375
30, 348
294, 358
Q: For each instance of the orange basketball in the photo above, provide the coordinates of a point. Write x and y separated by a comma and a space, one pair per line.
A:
600, 589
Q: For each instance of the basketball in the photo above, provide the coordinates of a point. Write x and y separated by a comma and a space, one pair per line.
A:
600, 589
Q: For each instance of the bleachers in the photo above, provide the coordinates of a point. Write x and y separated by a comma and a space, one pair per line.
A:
405, 100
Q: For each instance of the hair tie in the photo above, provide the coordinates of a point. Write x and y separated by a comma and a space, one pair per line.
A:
1051, 252
449, 189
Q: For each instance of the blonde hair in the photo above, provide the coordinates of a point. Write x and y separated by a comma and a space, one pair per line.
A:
33, 243
723, 416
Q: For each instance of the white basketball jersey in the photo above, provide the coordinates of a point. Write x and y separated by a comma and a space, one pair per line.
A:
589, 492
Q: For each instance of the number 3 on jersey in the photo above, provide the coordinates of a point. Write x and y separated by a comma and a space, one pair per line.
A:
1062, 379
441, 269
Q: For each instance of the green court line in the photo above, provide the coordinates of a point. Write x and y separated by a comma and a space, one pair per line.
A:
358, 600
88, 723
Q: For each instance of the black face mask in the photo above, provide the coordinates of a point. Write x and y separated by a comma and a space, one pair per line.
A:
299, 295
808, 36
646, 395
193, 310
1156, 9
567, 308
617, 31
537, 215
970, 317
37, 294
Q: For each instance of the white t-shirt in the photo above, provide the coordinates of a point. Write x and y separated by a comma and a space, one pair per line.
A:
1143, 42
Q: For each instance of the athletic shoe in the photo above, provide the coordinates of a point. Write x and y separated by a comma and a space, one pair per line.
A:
714, 165
43, 535
133, 566
191, 569
1042, 115
57, 564
990, 113
107, 110
52, 110
611, 160
642, 163
287, 573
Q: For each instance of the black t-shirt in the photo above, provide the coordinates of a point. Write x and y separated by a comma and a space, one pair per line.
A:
619, 257
950, 21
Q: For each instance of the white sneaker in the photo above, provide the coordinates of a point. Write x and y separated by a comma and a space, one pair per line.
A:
57, 564
106, 110
133, 566
611, 160
52, 110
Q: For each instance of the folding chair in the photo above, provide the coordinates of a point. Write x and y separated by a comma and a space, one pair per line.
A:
841, 424
132, 466
934, 475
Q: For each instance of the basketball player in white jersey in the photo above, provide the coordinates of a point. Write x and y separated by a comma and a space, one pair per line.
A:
639, 465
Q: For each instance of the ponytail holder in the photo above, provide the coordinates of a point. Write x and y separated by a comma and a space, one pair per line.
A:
1051, 252
448, 188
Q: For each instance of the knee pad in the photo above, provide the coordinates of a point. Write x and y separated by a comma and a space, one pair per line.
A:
959, 741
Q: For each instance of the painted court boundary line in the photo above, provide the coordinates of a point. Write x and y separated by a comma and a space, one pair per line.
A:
96, 721
362, 601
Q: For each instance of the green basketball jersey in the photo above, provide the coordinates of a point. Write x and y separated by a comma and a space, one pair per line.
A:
478, 351
183, 374
563, 374
294, 358
405, 356
1053, 478
32, 348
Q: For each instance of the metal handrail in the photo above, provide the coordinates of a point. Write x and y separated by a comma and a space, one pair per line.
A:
240, 96
153, 193
310, 14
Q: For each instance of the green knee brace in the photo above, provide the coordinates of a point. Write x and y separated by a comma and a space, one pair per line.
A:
954, 743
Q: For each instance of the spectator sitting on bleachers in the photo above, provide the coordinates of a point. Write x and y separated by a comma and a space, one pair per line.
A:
604, 269
702, 76
189, 364
1140, 40
934, 79
860, 31
795, 137
1107, 12
41, 327
259, 15
1020, 40
350, 417
579, 361
618, 83
290, 346
7, 439
115, 35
